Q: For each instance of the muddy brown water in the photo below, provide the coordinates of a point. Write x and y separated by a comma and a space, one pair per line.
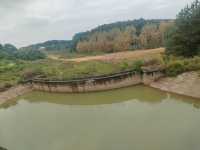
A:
135, 118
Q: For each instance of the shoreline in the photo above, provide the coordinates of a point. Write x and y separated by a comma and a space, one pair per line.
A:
14, 92
174, 93
186, 84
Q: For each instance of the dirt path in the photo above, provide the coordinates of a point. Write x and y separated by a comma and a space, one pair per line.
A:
137, 54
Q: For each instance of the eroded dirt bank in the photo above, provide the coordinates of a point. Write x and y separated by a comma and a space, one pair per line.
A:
187, 84
14, 92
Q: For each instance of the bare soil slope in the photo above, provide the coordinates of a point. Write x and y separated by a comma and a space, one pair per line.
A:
137, 54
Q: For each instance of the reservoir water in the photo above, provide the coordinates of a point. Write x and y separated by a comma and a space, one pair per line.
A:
135, 118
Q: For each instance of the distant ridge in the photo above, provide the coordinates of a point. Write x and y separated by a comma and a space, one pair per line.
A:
70, 45
50, 45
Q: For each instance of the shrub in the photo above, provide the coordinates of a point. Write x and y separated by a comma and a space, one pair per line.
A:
174, 68
137, 65
124, 66
177, 65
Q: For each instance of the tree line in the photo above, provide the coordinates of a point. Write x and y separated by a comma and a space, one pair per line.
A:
49, 46
9, 51
125, 35
130, 37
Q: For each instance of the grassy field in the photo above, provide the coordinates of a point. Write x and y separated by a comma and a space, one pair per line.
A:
14, 71
66, 69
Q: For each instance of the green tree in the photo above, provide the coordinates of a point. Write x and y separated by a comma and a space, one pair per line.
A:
184, 38
29, 55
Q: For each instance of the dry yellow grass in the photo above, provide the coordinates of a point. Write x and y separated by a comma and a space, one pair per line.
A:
114, 57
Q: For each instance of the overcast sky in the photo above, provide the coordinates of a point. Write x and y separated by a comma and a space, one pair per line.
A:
24, 22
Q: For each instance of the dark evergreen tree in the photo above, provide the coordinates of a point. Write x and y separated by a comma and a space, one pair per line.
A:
184, 38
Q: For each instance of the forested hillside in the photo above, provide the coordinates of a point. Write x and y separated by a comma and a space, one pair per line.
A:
121, 36
9, 51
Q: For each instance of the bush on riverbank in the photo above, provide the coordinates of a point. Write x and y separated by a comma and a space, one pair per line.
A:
10, 72
177, 65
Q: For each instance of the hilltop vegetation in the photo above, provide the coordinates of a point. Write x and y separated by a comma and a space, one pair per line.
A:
119, 36
122, 36
51, 46
9, 51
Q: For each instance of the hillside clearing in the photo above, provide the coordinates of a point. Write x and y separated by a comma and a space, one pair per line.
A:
114, 57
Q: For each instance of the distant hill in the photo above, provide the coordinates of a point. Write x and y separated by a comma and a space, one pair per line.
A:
104, 37
9, 51
137, 23
54, 45
125, 35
